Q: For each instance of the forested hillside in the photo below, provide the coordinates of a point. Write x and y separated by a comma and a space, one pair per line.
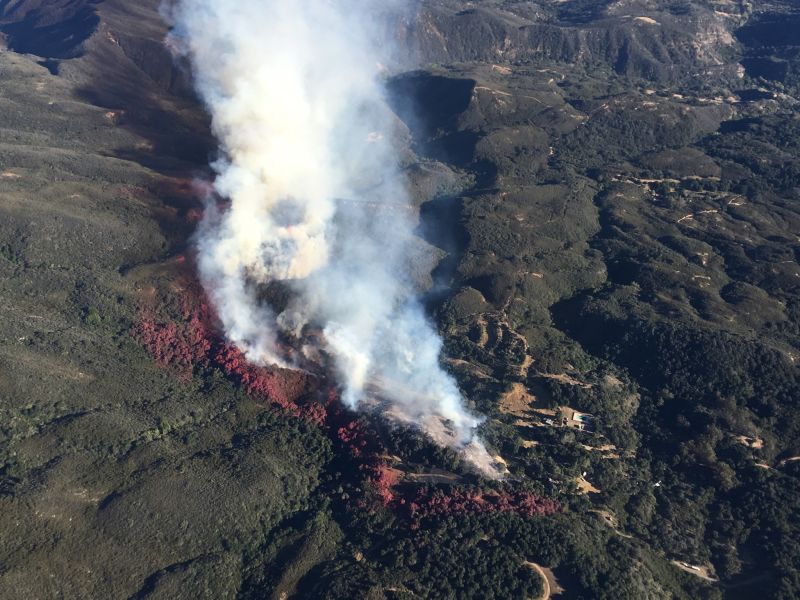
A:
609, 197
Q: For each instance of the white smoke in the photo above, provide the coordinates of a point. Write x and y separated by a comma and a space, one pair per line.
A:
317, 202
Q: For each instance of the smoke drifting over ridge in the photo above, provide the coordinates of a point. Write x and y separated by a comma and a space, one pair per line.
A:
317, 203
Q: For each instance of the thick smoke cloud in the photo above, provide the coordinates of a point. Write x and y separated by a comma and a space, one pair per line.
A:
309, 167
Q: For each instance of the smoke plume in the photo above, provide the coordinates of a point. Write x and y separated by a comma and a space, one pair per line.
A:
315, 204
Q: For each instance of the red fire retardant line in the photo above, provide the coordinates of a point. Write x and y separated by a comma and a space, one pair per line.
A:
193, 342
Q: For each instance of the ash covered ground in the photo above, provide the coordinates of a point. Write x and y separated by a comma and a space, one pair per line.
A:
607, 206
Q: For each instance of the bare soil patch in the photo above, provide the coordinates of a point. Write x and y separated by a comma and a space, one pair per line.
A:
701, 571
585, 487
750, 442
517, 401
